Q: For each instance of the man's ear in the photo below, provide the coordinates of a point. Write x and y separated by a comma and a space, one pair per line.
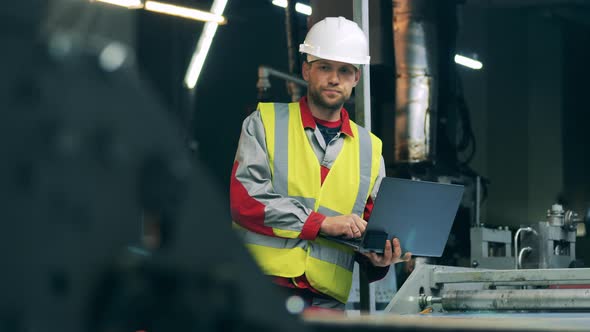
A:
305, 68
357, 77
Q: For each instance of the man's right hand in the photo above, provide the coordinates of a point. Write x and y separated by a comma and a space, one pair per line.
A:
349, 226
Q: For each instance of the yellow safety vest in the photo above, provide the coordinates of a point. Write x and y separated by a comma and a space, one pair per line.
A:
295, 173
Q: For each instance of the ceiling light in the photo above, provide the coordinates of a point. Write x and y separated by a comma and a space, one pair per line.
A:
467, 62
131, 4
280, 3
203, 45
299, 7
303, 9
185, 12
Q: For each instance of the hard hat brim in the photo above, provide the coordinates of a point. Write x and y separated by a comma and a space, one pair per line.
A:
353, 61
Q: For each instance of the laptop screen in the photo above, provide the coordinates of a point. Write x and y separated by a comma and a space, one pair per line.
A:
419, 213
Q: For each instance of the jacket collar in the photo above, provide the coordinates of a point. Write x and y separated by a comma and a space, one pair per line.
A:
309, 122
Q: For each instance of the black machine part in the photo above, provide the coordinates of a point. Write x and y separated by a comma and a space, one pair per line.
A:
86, 153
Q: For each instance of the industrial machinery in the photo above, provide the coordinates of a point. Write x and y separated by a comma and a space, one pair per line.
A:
528, 278
543, 245
550, 243
445, 289
445, 298
491, 247
88, 152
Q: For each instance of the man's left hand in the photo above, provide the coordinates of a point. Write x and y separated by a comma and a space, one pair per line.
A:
391, 254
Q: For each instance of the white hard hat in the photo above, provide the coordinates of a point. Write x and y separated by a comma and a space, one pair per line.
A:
337, 39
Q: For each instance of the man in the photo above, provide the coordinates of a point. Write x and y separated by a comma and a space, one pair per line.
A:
303, 170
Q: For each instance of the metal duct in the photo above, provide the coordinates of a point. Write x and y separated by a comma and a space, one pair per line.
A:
415, 44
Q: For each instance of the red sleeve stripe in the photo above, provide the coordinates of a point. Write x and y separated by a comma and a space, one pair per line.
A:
249, 213
312, 225
368, 209
245, 210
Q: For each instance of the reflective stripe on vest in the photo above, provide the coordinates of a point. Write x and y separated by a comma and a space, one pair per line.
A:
295, 173
276, 256
321, 252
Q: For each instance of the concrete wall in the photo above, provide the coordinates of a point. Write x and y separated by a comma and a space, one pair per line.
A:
516, 108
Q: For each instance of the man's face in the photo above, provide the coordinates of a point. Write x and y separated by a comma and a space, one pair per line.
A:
330, 82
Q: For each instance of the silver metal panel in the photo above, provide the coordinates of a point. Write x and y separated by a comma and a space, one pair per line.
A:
552, 276
495, 235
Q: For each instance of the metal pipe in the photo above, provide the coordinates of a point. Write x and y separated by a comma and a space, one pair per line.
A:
523, 251
265, 72
477, 201
525, 229
263, 83
290, 27
425, 301
414, 37
517, 299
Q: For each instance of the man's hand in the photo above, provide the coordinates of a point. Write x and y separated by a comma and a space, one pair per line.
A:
349, 226
390, 255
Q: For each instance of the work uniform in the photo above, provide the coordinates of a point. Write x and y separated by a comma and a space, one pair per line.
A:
286, 179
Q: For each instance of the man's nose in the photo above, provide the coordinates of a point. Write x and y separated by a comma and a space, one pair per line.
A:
333, 77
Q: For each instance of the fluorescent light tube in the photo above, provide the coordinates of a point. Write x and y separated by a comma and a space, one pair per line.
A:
131, 4
299, 7
280, 3
303, 9
185, 12
467, 62
203, 45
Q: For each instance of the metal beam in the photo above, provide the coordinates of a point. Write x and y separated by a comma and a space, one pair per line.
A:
362, 112
362, 94
514, 277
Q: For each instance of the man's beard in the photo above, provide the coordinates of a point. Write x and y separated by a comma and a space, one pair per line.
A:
318, 100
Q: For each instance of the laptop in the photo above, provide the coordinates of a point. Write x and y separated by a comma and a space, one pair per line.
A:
419, 213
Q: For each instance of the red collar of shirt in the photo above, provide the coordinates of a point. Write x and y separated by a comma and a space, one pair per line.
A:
309, 122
